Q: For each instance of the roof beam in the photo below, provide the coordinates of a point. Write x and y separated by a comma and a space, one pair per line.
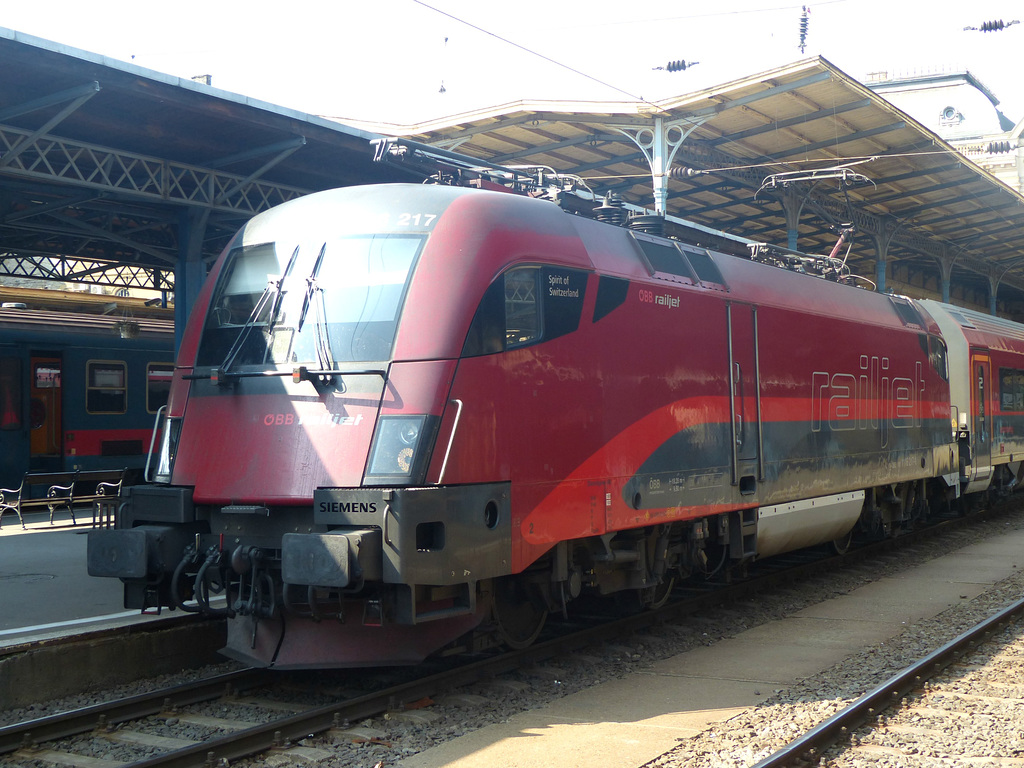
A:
282, 149
907, 212
150, 179
71, 94
842, 139
65, 268
754, 97
555, 146
105, 234
29, 138
798, 120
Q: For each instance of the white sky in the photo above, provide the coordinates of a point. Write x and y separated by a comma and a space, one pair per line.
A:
386, 61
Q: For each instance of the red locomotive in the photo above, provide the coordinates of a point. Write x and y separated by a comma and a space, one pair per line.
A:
402, 413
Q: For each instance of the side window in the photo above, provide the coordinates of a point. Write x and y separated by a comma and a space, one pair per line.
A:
937, 356
527, 305
522, 307
611, 294
563, 291
10, 393
1011, 389
105, 388
158, 385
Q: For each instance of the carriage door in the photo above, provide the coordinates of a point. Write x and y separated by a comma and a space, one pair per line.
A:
981, 416
744, 397
45, 413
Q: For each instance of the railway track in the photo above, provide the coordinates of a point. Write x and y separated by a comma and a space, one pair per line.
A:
908, 717
209, 723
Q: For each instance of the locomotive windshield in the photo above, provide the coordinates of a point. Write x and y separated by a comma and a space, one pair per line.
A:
312, 303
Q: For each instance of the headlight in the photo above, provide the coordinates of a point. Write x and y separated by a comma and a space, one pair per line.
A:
399, 451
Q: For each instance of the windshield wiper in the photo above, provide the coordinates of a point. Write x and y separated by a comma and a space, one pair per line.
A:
273, 289
315, 296
311, 286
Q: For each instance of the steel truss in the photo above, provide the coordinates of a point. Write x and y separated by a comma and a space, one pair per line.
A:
72, 270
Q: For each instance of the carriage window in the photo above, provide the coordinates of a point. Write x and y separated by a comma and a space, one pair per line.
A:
105, 389
1011, 389
47, 376
158, 385
10, 393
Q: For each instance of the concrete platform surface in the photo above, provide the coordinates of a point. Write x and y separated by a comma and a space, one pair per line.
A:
679, 697
45, 588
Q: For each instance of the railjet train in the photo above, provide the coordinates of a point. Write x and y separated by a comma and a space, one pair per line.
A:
407, 415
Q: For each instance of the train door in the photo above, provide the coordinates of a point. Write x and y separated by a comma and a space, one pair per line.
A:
744, 397
981, 415
45, 413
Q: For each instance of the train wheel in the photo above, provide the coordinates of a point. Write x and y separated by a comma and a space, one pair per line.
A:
519, 618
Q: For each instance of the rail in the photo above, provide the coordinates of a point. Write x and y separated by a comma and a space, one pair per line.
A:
809, 747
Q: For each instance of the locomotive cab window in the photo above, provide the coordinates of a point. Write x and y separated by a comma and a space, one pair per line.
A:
105, 388
524, 306
317, 302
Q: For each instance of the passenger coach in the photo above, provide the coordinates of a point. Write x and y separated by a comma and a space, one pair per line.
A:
75, 393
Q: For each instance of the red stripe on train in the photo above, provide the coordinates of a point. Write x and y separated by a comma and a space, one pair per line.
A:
118, 442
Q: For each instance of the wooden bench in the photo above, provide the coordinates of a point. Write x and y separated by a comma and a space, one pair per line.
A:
65, 490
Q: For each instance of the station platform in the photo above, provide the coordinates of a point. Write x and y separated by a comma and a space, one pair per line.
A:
45, 588
680, 697
63, 632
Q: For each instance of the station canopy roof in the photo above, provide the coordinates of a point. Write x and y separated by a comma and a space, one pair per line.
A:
806, 137
102, 161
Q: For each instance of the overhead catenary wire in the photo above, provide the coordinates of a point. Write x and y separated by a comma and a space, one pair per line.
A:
532, 52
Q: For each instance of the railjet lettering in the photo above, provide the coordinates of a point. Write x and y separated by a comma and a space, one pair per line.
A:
557, 287
322, 419
348, 507
663, 299
872, 398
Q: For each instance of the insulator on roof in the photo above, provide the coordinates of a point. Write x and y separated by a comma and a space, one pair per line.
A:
804, 23
678, 65
652, 224
612, 211
993, 26
998, 147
